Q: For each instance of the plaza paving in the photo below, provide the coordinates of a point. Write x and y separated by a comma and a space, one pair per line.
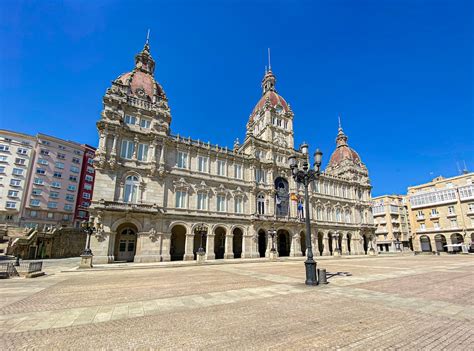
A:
404, 302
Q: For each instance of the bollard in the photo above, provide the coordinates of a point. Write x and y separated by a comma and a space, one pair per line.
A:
322, 276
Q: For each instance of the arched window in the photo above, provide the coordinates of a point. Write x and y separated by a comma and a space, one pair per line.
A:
348, 216
131, 189
319, 213
261, 204
338, 215
328, 214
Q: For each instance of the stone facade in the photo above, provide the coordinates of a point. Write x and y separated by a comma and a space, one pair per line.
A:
442, 214
393, 227
153, 188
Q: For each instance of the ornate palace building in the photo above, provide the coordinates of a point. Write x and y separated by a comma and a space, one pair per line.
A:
153, 188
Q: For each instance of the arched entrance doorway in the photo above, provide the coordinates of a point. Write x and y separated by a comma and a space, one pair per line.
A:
237, 242
282, 197
262, 242
199, 240
283, 243
349, 238
219, 242
320, 243
425, 243
126, 242
441, 243
330, 243
457, 238
178, 242
303, 243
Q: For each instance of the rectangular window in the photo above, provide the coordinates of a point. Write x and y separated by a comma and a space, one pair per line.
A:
77, 152
75, 169
451, 210
69, 197
182, 161
434, 212
90, 170
68, 207
34, 202
454, 223
56, 185
71, 187
2, 170
57, 175
22, 151
45, 152
17, 171
10, 204
52, 204
38, 181
238, 205
180, 199
221, 203
65, 217
50, 215
42, 161
81, 214
12, 193
4, 147
436, 225
76, 160
260, 175
88, 178
40, 171
85, 204
127, 150
91, 160
73, 178
61, 147
86, 196
15, 182
61, 156
203, 164
221, 167
202, 201
238, 171
59, 165
54, 194
36, 192
130, 119
470, 207
20, 161
145, 123
33, 213
3, 158
142, 152
87, 186
422, 226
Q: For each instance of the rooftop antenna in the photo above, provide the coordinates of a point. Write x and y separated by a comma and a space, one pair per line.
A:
269, 62
465, 171
147, 36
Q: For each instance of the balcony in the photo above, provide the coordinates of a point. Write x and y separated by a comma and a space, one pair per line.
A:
127, 207
420, 218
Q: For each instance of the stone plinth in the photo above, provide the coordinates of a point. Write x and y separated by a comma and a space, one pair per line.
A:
86, 261
273, 255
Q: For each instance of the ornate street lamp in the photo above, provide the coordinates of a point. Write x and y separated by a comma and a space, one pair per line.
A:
201, 229
87, 227
305, 176
272, 232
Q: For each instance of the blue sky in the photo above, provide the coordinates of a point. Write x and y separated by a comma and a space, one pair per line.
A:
399, 72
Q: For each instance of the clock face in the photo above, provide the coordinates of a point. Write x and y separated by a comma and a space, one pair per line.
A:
140, 92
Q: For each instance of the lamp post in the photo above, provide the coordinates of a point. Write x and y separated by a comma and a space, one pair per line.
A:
201, 229
86, 257
305, 176
273, 253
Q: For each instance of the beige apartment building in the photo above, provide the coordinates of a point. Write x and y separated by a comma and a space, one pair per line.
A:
393, 226
442, 214
16, 154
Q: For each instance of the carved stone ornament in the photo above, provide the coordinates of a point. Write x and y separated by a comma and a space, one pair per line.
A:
153, 235
100, 234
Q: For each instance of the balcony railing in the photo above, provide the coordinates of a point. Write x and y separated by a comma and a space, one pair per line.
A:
125, 206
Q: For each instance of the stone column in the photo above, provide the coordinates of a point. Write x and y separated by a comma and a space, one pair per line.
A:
210, 255
148, 247
433, 243
229, 246
326, 251
188, 247
165, 247
295, 249
344, 245
269, 244
102, 247
314, 238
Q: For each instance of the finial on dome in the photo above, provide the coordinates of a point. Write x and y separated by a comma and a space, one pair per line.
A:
339, 119
268, 82
269, 62
143, 60
147, 37
341, 138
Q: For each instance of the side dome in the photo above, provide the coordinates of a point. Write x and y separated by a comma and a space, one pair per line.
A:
343, 152
140, 82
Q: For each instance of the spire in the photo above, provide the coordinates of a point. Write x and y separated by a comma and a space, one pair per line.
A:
341, 139
269, 80
143, 60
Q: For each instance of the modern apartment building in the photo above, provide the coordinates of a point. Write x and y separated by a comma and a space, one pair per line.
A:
86, 186
442, 214
16, 154
393, 226
55, 177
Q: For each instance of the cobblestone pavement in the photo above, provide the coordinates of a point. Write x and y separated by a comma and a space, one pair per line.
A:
405, 302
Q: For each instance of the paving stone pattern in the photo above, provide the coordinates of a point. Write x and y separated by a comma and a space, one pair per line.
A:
406, 303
